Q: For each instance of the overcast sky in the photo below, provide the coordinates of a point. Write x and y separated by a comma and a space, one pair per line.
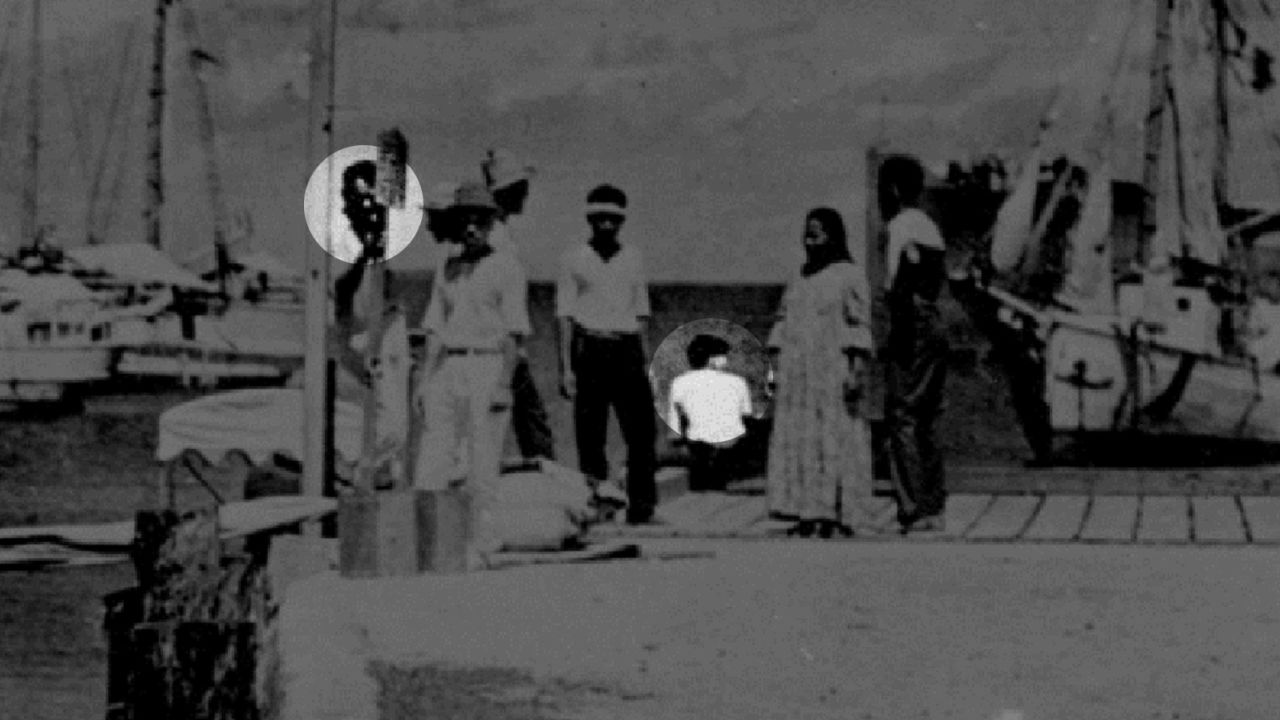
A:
724, 121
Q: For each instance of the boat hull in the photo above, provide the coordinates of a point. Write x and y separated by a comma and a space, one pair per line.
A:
45, 374
1099, 379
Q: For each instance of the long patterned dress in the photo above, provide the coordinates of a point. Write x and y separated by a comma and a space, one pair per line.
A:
820, 462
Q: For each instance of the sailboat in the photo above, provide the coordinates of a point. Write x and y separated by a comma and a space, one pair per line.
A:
55, 338
1153, 324
241, 321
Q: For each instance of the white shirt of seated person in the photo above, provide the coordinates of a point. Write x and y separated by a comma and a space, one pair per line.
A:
713, 400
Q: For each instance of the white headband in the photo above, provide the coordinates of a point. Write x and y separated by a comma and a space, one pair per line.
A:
605, 209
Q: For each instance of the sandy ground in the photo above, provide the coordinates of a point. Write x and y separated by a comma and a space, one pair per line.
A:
802, 630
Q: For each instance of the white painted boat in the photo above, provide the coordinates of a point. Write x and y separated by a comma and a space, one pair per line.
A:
54, 338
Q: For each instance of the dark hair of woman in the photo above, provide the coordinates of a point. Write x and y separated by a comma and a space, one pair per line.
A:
835, 249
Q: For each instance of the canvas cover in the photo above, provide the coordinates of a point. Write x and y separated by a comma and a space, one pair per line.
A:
136, 262
1015, 221
1088, 286
1187, 214
258, 422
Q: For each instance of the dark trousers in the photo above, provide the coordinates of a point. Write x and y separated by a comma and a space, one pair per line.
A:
529, 415
915, 377
611, 372
709, 466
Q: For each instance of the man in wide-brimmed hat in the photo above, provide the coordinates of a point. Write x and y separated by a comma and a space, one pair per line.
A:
602, 303
475, 321
509, 180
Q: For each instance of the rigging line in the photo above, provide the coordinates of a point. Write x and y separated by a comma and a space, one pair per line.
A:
8, 38
77, 119
8, 79
113, 121
1107, 122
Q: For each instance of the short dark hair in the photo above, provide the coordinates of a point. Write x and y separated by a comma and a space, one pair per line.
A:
607, 194
905, 174
704, 347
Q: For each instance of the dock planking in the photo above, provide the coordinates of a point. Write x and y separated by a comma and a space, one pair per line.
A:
1165, 519
1263, 514
963, 510
736, 513
1110, 518
1060, 518
1007, 517
1217, 519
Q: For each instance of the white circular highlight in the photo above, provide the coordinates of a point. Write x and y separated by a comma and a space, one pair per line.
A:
330, 228
748, 359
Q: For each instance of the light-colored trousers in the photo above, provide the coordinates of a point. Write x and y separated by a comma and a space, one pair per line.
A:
463, 436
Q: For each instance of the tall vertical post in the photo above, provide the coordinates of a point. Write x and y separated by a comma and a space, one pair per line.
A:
392, 162
31, 193
204, 116
155, 129
1222, 146
318, 406
1154, 127
874, 262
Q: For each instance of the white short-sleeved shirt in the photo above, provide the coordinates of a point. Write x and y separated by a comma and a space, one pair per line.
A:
479, 310
909, 226
607, 296
714, 401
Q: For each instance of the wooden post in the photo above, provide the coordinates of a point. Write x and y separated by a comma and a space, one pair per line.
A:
188, 642
874, 261
317, 370
393, 154
155, 128
403, 533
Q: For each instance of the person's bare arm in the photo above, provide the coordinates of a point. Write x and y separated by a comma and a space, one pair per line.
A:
510, 354
568, 383
566, 296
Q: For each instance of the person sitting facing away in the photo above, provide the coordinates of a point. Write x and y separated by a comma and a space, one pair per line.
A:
708, 405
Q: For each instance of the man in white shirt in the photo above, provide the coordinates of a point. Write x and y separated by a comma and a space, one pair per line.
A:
509, 181
707, 406
475, 320
602, 303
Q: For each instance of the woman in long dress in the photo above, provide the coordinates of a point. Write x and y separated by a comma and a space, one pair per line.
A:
820, 462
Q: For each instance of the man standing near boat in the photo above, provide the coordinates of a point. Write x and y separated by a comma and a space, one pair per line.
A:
602, 304
916, 352
508, 180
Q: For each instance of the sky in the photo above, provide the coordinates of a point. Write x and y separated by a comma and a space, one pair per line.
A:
723, 120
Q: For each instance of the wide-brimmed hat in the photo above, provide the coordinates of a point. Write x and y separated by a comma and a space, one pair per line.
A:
501, 168
474, 196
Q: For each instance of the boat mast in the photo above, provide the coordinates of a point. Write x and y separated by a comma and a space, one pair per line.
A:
31, 194
155, 130
1156, 100
213, 178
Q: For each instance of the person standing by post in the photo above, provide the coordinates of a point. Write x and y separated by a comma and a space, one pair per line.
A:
916, 352
475, 320
602, 303
820, 463
508, 180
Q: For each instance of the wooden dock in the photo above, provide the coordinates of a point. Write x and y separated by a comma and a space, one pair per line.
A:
1072, 506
